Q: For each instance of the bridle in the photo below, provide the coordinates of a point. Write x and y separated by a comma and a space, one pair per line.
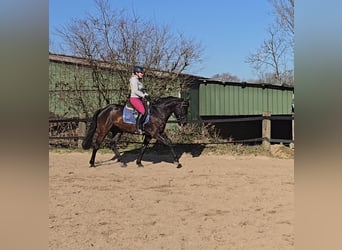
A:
183, 117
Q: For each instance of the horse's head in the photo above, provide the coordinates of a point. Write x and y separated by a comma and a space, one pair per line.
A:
181, 112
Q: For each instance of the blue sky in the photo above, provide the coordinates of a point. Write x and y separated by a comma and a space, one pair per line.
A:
228, 30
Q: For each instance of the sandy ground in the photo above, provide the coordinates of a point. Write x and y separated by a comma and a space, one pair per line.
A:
213, 202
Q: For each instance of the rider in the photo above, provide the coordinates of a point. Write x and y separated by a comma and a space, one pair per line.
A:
138, 92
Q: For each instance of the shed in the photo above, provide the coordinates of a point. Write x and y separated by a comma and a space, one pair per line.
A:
210, 97
215, 100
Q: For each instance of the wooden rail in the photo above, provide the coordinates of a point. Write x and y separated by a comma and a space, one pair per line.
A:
266, 119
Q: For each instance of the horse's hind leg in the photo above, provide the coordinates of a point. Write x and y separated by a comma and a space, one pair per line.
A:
96, 147
114, 143
92, 159
113, 146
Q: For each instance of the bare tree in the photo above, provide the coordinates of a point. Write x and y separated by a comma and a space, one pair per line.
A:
273, 60
284, 13
226, 77
122, 41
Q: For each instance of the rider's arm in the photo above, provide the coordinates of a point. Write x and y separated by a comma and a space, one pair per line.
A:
135, 92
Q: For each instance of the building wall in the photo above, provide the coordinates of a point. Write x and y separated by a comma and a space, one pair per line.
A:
218, 99
76, 88
215, 102
72, 90
215, 99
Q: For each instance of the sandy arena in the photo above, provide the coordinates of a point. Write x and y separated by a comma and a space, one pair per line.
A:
213, 202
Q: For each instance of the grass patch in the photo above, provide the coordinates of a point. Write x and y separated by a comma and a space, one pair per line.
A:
237, 149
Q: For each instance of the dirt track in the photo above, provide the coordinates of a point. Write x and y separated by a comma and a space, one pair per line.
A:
213, 202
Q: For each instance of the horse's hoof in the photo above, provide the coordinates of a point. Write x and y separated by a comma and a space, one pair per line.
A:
92, 166
140, 165
123, 164
179, 165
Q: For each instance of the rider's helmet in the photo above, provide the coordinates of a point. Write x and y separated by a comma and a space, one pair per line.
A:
138, 69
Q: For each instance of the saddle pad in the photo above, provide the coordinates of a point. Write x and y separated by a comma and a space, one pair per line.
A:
128, 116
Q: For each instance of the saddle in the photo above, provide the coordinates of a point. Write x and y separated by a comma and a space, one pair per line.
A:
130, 114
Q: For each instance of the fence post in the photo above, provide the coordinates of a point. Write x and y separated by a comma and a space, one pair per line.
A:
81, 130
266, 130
293, 132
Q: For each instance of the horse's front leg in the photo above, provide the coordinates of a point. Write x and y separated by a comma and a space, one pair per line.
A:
146, 141
166, 141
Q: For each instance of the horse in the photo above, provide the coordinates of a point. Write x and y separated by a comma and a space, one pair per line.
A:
110, 119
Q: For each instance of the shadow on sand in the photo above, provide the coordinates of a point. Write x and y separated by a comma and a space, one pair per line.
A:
157, 153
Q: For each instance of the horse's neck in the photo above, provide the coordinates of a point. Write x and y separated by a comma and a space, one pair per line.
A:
167, 111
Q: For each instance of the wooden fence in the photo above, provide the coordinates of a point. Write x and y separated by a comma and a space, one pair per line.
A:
69, 132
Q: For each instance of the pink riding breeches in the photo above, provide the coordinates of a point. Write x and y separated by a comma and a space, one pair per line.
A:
137, 104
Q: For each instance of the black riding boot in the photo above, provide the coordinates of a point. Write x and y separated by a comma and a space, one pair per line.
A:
139, 123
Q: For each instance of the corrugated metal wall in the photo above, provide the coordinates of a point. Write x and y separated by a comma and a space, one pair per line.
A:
224, 99
71, 85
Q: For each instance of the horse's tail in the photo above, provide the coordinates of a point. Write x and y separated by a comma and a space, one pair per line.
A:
88, 140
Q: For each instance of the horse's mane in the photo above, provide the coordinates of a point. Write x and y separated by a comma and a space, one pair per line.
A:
165, 99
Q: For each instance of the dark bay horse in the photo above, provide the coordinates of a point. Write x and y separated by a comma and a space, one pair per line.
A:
110, 119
